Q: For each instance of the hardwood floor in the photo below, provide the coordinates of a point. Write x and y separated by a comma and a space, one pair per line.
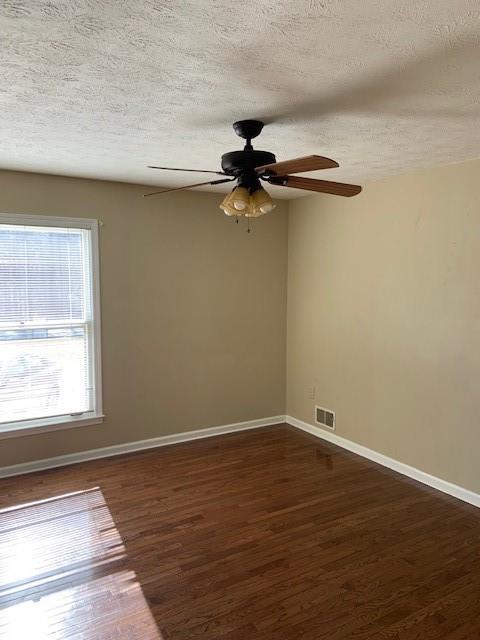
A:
264, 534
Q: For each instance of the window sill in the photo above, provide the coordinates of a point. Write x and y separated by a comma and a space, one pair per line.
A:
32, 427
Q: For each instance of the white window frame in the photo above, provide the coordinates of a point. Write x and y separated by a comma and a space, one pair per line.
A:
40, 425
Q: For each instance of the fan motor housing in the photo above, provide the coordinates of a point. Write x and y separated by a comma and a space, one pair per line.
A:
235, 163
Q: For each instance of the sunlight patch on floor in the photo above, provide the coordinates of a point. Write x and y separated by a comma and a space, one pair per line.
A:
64, 574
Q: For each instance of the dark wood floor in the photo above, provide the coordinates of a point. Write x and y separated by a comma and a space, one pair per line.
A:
264, 534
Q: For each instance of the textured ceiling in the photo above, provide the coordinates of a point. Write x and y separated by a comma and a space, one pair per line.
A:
102, 89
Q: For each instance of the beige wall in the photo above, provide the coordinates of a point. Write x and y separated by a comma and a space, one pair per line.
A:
383, 314
384, 317
193, 311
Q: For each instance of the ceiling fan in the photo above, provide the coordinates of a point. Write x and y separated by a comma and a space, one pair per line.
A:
249, 166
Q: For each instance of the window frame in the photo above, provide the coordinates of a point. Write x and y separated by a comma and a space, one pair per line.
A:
41, 425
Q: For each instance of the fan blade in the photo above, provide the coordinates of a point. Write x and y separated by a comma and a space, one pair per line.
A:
218, 173
321, 186
298, 165
188, 186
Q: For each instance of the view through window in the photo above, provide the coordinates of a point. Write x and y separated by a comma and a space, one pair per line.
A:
47, 323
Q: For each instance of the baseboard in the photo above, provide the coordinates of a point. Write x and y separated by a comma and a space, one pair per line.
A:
437, 483
139, 445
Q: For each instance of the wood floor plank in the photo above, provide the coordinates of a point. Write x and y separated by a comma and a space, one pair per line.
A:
260, 535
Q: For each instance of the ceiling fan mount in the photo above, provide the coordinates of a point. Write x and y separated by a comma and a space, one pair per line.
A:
248, 129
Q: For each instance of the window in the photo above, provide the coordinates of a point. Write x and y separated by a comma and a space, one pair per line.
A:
49, 323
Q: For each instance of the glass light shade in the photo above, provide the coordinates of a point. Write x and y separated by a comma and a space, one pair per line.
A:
250, 212
261, 203
241, 198
227, 206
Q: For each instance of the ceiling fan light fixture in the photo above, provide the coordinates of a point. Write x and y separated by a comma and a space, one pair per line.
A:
267, 207
227, 206
261, 203
250, 213
240, 198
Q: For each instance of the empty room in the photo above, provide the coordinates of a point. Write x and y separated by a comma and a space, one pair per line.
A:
239, 320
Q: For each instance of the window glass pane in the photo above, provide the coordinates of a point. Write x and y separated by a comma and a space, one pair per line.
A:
47, 352
43, 372
42, 274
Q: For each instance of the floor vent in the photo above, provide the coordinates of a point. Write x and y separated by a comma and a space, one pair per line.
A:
325, 418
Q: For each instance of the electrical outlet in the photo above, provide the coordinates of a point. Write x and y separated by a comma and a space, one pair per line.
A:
311, 393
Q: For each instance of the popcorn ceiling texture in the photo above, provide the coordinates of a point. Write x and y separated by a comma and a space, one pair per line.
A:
102, 89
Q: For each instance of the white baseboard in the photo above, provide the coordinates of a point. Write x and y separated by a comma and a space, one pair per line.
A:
437, 483
139, 445
129, 447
